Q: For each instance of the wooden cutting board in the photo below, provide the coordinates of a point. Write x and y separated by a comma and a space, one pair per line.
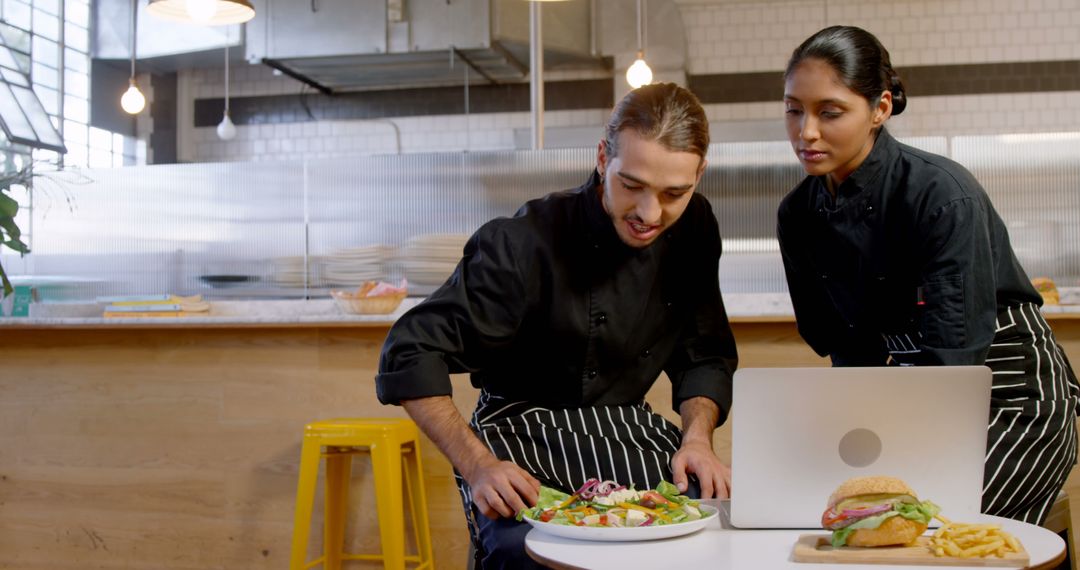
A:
815, 548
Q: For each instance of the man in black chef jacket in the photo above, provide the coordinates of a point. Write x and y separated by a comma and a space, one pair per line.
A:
565, 315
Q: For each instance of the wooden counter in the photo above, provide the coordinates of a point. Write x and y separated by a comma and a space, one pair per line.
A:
177, 447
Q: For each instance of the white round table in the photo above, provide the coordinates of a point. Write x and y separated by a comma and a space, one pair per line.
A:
720, 546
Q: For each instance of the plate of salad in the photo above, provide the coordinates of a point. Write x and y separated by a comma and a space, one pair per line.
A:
606, 511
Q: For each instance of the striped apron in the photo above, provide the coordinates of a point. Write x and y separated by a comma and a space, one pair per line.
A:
563, 448
1031, 438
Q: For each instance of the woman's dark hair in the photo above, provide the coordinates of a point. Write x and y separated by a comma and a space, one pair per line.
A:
663, 112
858, 58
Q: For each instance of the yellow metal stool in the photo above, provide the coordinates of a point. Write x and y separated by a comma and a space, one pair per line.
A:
394, 445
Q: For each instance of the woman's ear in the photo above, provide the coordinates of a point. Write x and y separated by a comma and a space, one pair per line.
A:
883, 110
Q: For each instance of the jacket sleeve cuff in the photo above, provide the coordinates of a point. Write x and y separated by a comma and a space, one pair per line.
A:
712, 382
429, 376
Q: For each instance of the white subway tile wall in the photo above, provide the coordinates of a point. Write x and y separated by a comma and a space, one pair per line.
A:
723, 36
759, 36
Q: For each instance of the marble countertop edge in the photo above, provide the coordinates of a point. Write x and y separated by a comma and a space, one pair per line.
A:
741, 307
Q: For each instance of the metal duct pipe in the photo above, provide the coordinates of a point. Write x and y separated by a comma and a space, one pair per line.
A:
536, 81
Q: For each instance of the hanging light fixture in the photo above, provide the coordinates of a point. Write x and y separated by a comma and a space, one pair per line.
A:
133, 101
639, 73
226, 130
203, 12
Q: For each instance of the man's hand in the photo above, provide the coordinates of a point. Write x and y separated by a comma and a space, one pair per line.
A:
501, 488
698, 458
699, 417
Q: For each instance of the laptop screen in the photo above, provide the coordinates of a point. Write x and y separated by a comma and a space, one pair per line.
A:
797, 433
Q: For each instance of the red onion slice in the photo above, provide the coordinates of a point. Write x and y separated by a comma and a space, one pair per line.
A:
588, 490
866, 511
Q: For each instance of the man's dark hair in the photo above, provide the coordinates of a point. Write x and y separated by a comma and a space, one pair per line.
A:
662, 112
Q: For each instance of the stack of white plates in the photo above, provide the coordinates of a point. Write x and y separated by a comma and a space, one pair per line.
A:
352, 266
430, 258
296, 271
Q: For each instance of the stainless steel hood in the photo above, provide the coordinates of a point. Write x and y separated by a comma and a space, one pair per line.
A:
348, 45
415, 69
343, 46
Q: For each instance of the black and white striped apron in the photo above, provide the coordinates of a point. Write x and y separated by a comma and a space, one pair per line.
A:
1031, 438
563, 448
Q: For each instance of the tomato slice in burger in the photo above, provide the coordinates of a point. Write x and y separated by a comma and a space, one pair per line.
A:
829, 518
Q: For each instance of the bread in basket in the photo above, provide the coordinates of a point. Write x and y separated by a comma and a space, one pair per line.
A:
1048, 289
371, 298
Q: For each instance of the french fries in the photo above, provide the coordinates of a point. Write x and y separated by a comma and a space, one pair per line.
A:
964, 540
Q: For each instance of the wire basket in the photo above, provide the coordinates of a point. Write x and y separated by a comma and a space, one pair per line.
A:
380, 305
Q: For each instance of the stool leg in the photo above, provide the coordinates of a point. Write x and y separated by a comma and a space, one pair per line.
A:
338, 469
305, 498
386, 463
418, 500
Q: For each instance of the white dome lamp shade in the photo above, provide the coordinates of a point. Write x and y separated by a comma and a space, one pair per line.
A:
639, 73
226, 130
203, 12
133, 101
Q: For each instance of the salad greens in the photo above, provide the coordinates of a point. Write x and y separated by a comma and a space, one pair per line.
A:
607, 504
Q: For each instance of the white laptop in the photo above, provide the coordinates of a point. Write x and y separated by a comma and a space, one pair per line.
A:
797, 433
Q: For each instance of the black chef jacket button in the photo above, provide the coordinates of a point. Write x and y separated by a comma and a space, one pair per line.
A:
591, 374
823, 276
668, 304
601, 318
645, 353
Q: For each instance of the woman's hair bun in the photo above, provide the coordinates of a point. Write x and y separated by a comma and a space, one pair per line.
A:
899, 95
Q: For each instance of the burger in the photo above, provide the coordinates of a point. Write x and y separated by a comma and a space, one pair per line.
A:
876, 511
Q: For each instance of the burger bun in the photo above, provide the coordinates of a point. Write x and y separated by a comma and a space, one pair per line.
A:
893, 532
875, 485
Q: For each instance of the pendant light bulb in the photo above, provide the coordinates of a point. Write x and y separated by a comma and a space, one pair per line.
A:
201, 11
226, 130
639, 73
133, 101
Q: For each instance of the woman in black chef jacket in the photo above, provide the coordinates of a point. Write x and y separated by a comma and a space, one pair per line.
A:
896, 256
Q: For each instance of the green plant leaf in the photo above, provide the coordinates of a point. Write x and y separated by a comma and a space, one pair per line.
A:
8, 225
8, 206
7, 284
16, 245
